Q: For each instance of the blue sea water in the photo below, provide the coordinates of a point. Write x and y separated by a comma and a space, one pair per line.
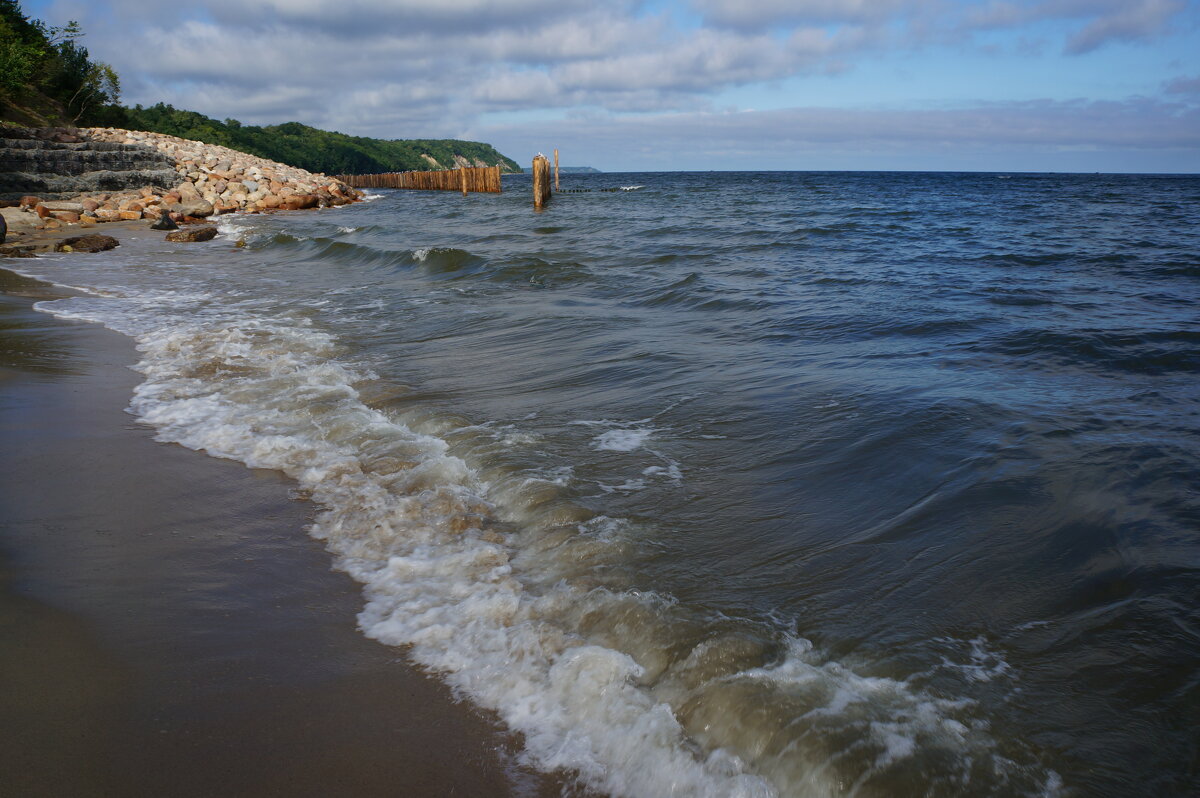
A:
735, 483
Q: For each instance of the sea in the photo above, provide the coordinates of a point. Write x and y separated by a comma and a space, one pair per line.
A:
732, 484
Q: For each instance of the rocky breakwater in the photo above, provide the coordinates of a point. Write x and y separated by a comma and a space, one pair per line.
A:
216, 180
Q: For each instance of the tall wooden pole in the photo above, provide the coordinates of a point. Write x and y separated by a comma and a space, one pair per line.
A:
541, 182
463, 177
556, 168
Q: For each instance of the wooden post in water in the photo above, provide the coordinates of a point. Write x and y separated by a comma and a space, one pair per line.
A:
556, 168
541, 181
465, 179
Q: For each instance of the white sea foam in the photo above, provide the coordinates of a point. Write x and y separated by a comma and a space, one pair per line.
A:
628, 486
623, 440
981, 665
670, 471
233, 226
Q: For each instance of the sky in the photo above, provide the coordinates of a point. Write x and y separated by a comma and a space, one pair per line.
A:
946, 85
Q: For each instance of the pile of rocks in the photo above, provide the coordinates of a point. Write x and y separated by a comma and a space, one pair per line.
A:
212, 180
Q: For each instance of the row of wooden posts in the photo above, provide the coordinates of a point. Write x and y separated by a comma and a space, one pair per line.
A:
482, 179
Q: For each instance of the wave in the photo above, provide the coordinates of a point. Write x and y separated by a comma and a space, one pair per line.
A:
1137, 353
518, 596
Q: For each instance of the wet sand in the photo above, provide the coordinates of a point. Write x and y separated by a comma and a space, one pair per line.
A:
168, 628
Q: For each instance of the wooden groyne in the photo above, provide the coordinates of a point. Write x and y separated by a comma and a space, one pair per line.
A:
478, 179
541, 181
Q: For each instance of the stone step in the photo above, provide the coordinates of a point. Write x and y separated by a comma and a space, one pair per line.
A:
37, 144
14, 185
51, 169
79, 162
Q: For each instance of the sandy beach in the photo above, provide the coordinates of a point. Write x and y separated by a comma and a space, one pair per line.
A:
169, 629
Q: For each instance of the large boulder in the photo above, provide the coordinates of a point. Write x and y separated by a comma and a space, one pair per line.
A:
196, 207
3, 229
92, 242
193, 234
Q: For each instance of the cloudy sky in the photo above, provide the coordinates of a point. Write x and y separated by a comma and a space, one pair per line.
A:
1005, 85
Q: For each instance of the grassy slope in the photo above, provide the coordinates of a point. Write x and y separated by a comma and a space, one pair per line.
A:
307, 147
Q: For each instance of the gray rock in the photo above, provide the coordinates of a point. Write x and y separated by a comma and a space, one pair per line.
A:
3, 229
165, 222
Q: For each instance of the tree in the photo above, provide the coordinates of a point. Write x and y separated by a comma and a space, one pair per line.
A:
100, 86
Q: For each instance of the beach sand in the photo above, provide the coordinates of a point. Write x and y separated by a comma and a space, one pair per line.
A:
167, 627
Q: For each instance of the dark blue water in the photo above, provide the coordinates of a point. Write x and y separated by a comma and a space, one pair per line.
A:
738, 483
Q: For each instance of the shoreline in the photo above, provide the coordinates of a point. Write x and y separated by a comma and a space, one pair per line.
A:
172, 629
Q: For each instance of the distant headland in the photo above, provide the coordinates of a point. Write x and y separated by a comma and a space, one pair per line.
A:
570, 170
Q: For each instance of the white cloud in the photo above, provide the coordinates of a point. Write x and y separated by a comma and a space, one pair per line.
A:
1103, 21
1010, 135
411, 68
771, 13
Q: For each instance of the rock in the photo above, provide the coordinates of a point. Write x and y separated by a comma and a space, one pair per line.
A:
12, 251
92, 242
89, 205
70, 217
165, 222
197, 207
298, 202
87, 221
42, 211
107, 215
194, 234
51, 224
3, 228
29, 201
130, 216
72, 207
